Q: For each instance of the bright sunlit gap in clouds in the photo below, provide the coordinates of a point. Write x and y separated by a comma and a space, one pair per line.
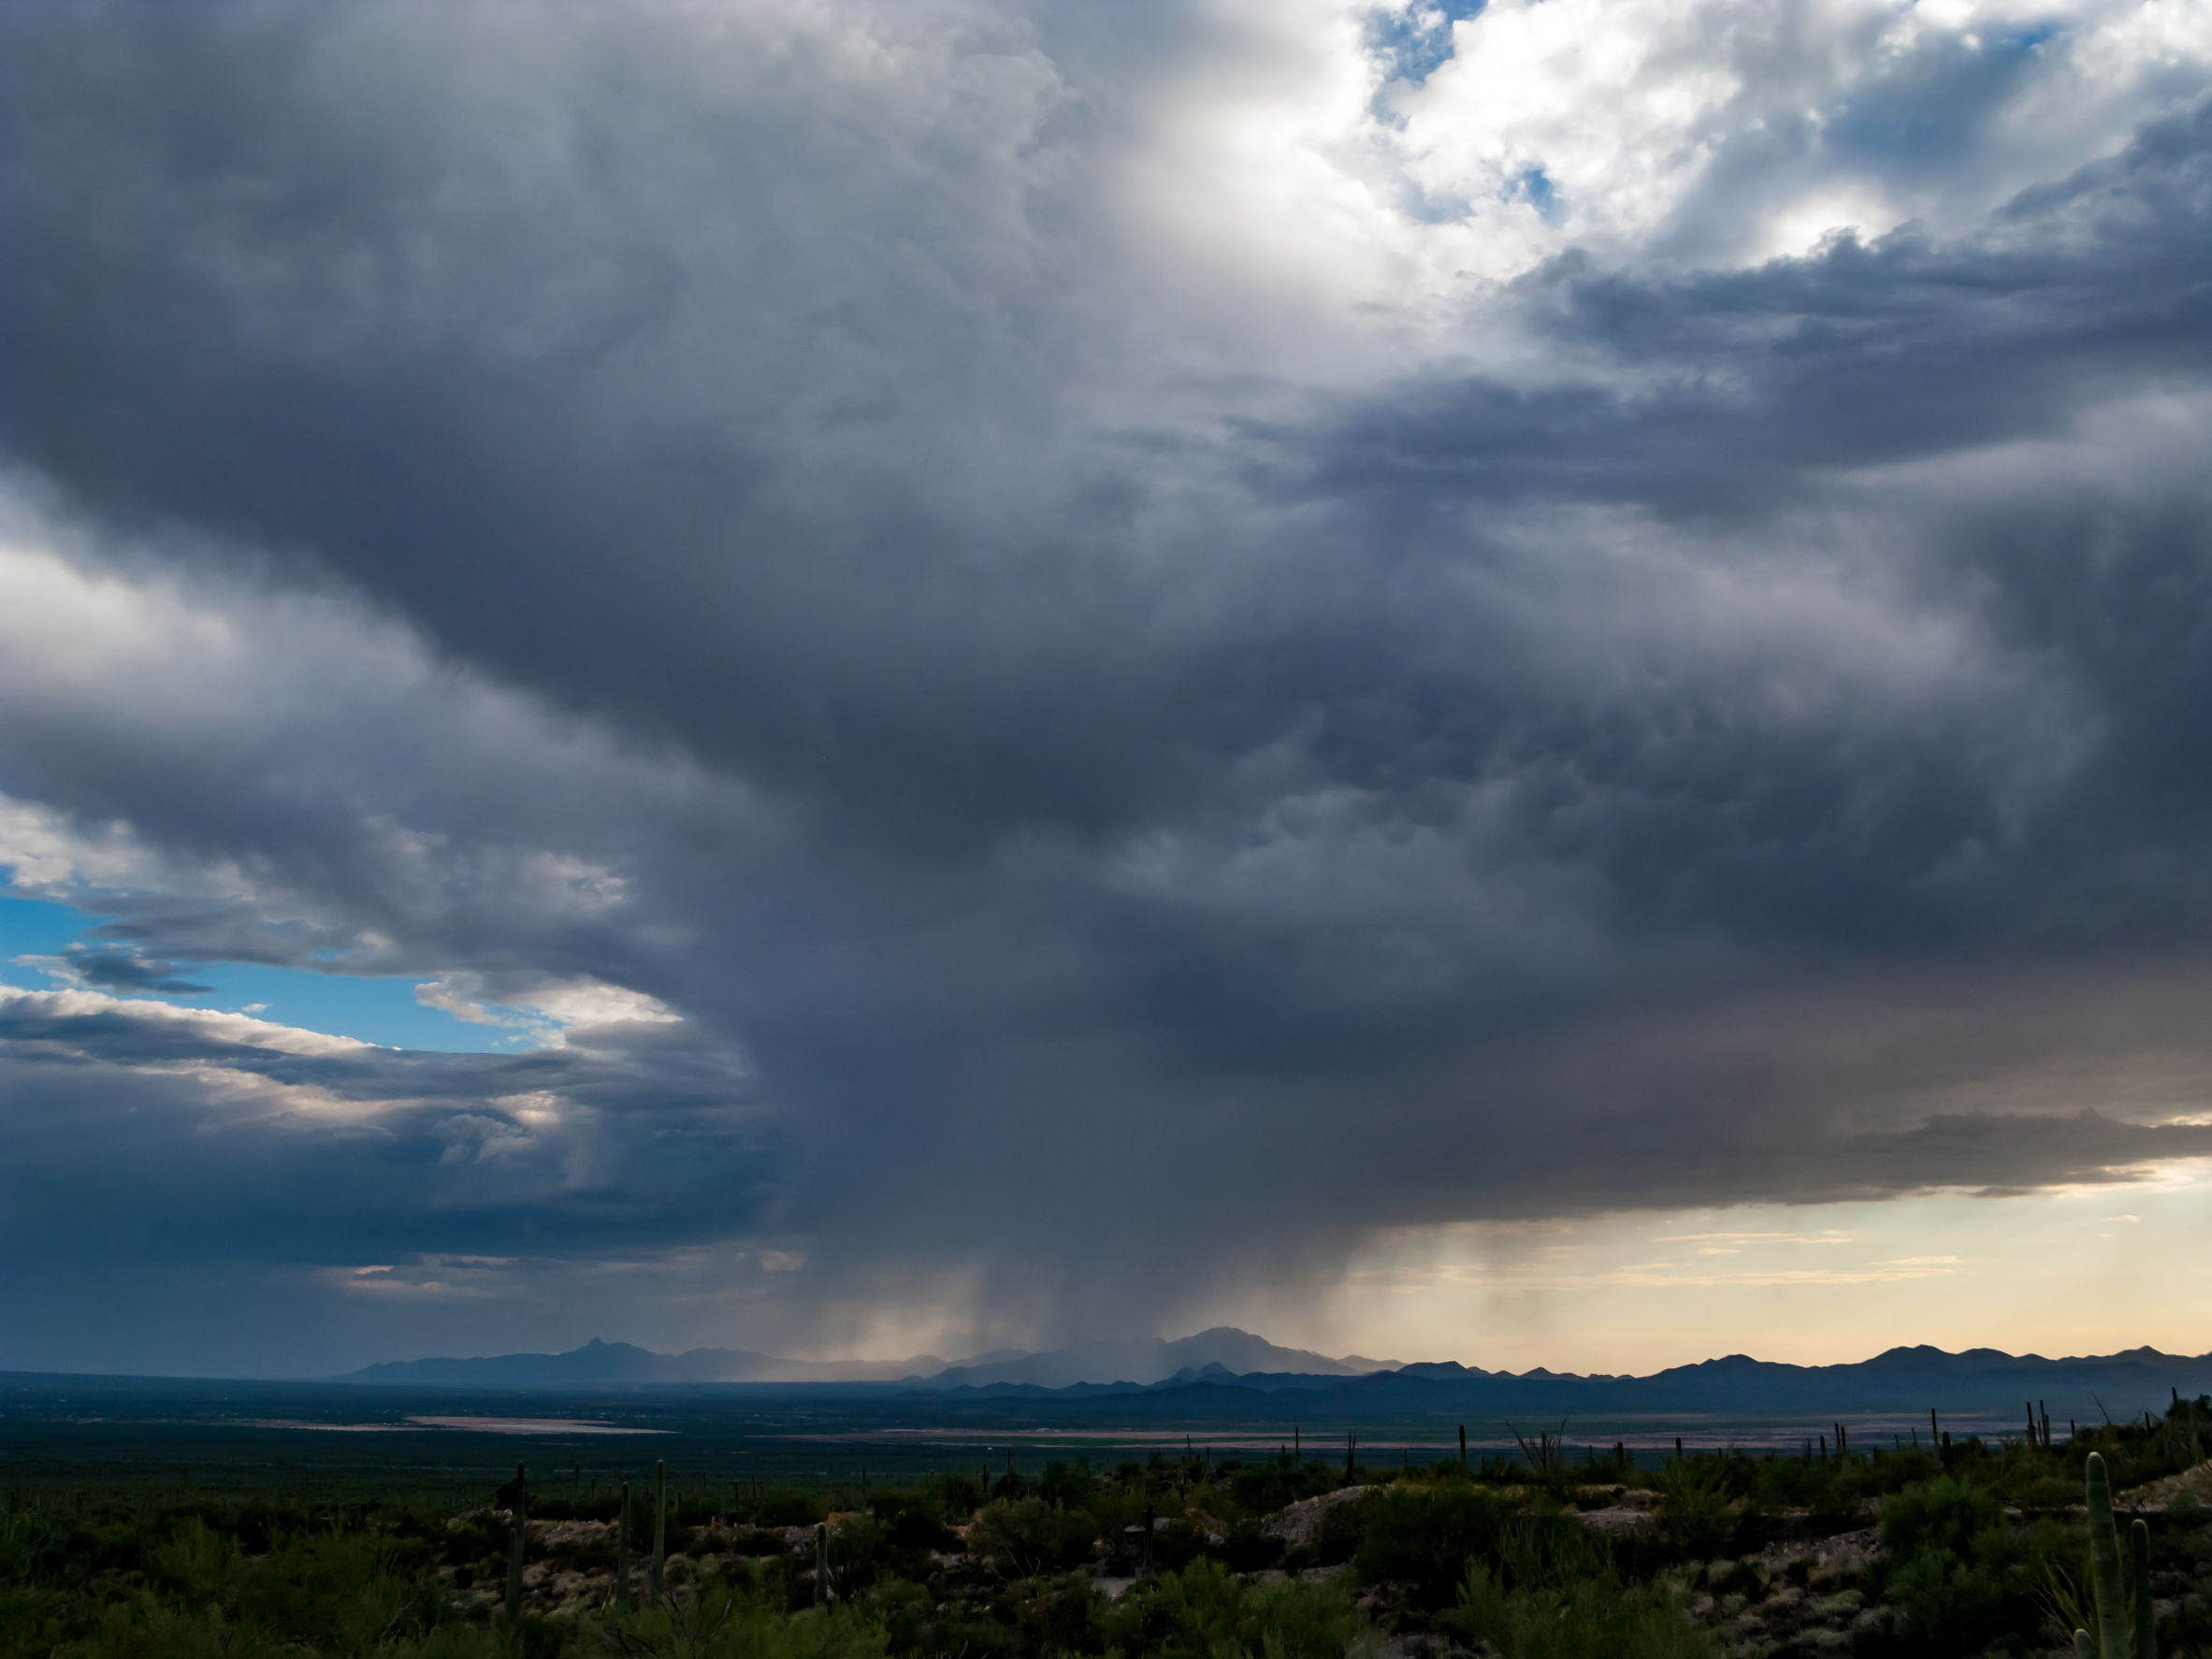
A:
1515, 682
2075, 1271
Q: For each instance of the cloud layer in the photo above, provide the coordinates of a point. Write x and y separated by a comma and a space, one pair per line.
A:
1051, 667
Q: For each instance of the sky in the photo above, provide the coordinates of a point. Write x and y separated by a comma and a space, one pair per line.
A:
1523, 682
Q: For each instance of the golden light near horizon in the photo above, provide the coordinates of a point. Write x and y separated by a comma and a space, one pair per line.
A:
2072, 1271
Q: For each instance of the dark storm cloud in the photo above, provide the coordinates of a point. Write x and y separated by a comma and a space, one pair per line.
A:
1474, 795
361, 1150
115, 970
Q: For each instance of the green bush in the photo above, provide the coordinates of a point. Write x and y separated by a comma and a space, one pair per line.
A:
1697, 1508
1582, 1616
914, 1622
1959, 1576
332, 1592
1424, 1537
1552, 1547
1067, 1486
1943, 1514
1025, 1539
1203, 1613
1260, 1489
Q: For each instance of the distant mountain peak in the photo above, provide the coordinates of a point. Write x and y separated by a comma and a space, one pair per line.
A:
1224, 1357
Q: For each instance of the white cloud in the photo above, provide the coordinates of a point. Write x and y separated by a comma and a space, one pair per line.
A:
210, 1025
546, 1010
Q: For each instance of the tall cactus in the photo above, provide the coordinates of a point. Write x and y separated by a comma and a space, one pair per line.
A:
2114, 1639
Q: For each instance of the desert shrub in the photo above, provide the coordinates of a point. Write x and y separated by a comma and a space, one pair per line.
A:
914, 1622
1552, 1547
1945, 1514
1062, 1616
1959, 1576
1202, 1612
787, 1505
1175, 1546
325, 1591
913, 1523
1425, 1536
1576, 1615
1261, 1489
1697, 1508
1248, 1550
196, 1560
34, 1545
1114, 1508
1337, 1539
1067, 1486
954, 1495
1946, 1602
2181, 1543
1028, 1538
859, 1553
1798, 1482
914, 1535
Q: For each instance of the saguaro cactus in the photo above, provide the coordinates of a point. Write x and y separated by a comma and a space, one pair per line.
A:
2115, 1639
514, 1543
622, 1552
657, 1581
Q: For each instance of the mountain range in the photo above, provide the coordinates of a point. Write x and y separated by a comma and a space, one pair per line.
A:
1224, 1373
1222, 1350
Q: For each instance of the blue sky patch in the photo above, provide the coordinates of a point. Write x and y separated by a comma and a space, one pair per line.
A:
379, 1009
1417, 39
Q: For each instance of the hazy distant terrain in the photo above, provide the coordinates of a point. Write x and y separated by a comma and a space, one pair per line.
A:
1229, 1374
1145, 1359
